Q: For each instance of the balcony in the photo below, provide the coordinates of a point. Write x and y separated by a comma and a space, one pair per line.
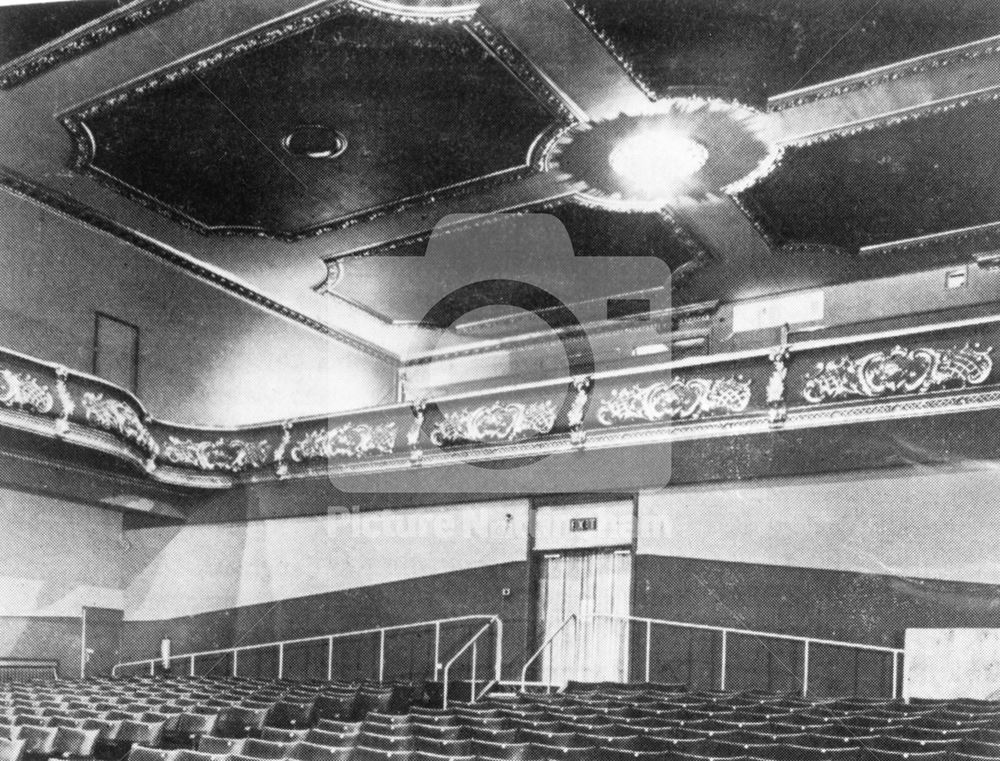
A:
924, 379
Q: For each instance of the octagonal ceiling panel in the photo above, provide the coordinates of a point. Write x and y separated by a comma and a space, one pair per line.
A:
759, 48
931, 175
224, 146
26, 27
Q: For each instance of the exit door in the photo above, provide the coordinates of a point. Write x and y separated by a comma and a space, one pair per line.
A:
595, 585
101, 640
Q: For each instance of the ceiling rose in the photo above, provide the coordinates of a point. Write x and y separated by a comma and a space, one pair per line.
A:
680, 148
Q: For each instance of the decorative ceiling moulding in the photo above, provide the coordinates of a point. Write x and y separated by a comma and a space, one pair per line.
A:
86, 38
483, 220
459, 15
910, 114
983, 237
418, 11
987, 48
523, 70
73, 209
584, 15
336, 269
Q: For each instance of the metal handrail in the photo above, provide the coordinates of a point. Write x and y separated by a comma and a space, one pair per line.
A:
497, 665
328, 638
725, 631
576, 628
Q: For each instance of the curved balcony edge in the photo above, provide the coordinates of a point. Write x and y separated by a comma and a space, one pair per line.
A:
930, 370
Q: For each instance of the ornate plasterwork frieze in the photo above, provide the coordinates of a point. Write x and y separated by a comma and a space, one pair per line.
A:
898, 371
499, 421
348, 440
119, 418
86, 38
25, 391
897, 383
232, 455
723, 427
677, 399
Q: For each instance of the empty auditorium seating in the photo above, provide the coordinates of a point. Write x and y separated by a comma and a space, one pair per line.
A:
74, 743
241, 719
11, 750
38, 741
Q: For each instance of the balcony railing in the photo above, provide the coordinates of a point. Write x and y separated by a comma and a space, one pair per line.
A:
928, 370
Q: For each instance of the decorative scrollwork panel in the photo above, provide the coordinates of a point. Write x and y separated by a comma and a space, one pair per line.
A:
500, 421
898, 371
677, 399
119, 418
347, 440
233, 455
25, 391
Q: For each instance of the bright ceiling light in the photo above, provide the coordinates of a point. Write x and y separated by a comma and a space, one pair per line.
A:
657, 161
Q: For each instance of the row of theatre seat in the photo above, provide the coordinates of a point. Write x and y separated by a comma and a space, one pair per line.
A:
636, 723
586, 722
106, 718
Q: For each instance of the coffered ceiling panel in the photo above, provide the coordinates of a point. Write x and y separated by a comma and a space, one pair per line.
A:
759, 48
743, 146
911, 179
304, 126
25, 27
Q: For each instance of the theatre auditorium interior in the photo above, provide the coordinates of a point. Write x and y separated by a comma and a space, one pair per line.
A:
500, 380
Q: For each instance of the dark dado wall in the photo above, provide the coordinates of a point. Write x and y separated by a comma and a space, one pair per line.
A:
43, 637
409, 654
855, 607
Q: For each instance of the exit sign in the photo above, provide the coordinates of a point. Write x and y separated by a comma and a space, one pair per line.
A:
583, 524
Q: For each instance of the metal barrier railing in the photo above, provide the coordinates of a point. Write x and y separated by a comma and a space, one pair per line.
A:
548, 644
725, 632
497, 624
329, 639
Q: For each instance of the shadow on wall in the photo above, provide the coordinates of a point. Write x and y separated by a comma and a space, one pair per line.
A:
43, 637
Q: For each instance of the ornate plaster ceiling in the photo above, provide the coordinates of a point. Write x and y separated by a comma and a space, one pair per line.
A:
167, 122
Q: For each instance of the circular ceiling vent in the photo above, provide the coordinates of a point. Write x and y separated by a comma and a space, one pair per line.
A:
314, 141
